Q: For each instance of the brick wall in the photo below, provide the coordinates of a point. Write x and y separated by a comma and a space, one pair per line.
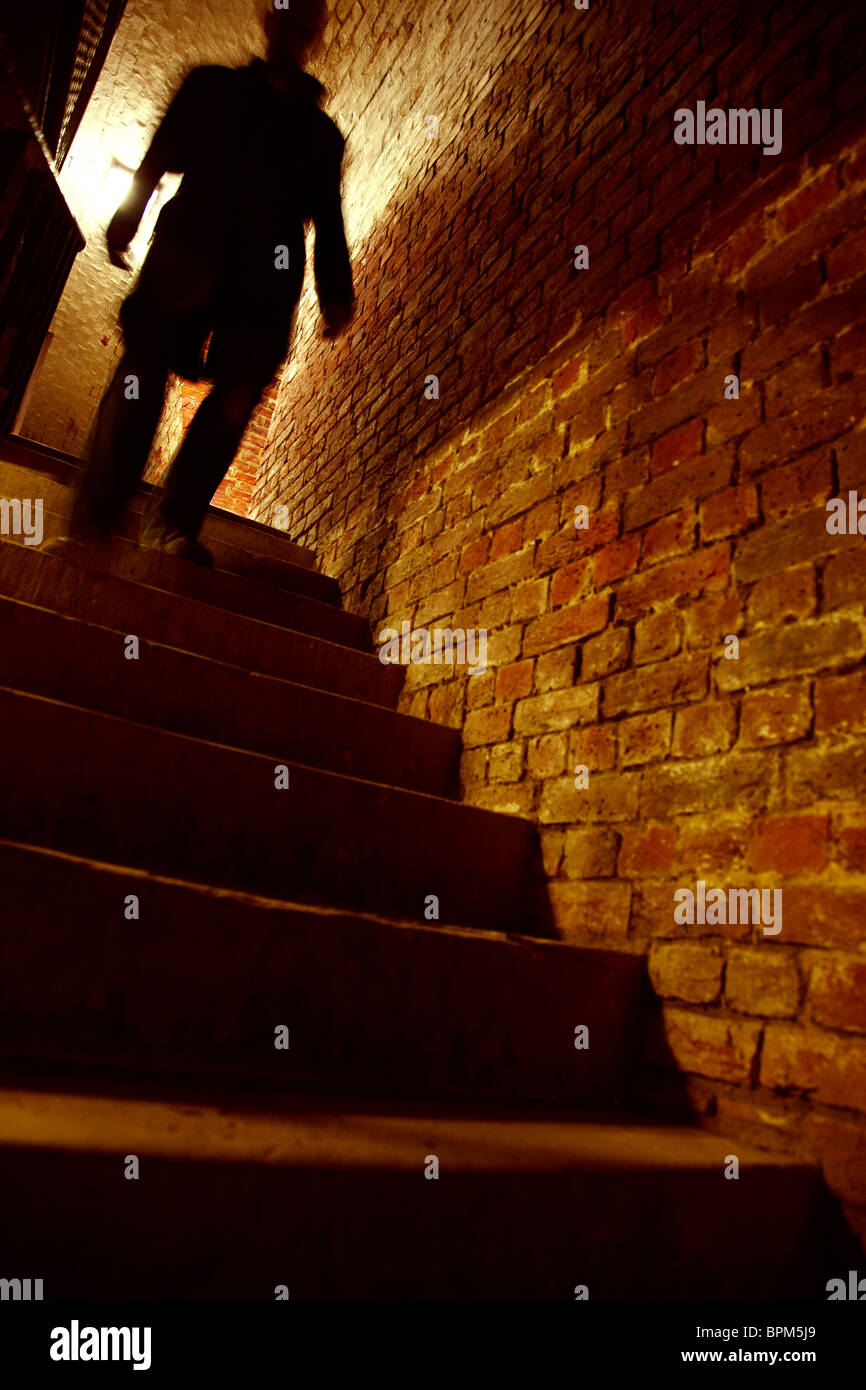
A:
182, 400
605, 388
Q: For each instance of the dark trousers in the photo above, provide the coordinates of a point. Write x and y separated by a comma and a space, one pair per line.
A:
128, 418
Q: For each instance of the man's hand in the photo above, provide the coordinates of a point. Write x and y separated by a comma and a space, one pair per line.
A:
337, 317
119, 233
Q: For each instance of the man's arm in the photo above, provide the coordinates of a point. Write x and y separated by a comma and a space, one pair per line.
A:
331, 263
167, 153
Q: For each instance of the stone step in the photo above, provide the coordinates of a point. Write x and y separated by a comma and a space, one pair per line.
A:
236, 593
199, 982
230, 557
28, 470
81, 664
175, 620
238, 1194
106, 788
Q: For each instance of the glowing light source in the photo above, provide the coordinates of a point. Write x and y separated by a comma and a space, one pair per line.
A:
115, 186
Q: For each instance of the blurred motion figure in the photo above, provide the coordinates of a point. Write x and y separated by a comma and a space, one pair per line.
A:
259, 158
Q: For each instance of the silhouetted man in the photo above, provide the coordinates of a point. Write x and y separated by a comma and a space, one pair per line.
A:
258, 159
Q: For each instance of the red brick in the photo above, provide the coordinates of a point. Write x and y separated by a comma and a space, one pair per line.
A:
732, 332
445, 705
529, 599
806, 201
570, 582
780, 715
706, 786
837, 992
590, 852
489, 725
852, 845
542, 520
789, 595
501, 574
722, 1048
845, 578
480, 690
789, 844
567, 377
556, 709
644, 738
688, 576
603, 528
610, 796
678, 366
566, 625
513, 682
586, 909
797, 485
830, 1069
646, 849
601, 655
816, 421
835, 639
689, 482
824, 916
673, 535
545, 756
656, 637
615, 561
686, 970
677, 446
728, 512
743, 246
555, 670
792, 383
703, 730
658, 685
761, 982
637, 296
709, 845
848, 355
474, 555
848, 260
840, 704
594, 748
642, 323
506, 539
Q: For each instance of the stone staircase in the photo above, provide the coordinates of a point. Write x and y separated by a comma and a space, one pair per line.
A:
167, 908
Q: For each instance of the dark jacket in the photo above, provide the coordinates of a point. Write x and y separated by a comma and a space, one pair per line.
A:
257, 163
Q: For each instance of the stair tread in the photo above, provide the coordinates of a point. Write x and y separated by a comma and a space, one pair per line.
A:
320, 834
188, 624
126, 554
25, 458
301, 1129
78, 662
221, 590
471, 812
283, 574
327, 915
375, 1002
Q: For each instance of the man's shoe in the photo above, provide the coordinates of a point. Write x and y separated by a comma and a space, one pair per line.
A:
182, 549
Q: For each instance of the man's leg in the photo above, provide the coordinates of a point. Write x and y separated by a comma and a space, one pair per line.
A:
204, 458
126, 424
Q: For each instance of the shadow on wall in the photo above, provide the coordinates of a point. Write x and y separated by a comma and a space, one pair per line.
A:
471, 278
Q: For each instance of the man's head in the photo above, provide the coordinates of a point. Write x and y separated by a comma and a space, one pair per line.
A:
293, 29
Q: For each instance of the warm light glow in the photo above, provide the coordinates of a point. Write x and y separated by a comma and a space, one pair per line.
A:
114, 189
96, 186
